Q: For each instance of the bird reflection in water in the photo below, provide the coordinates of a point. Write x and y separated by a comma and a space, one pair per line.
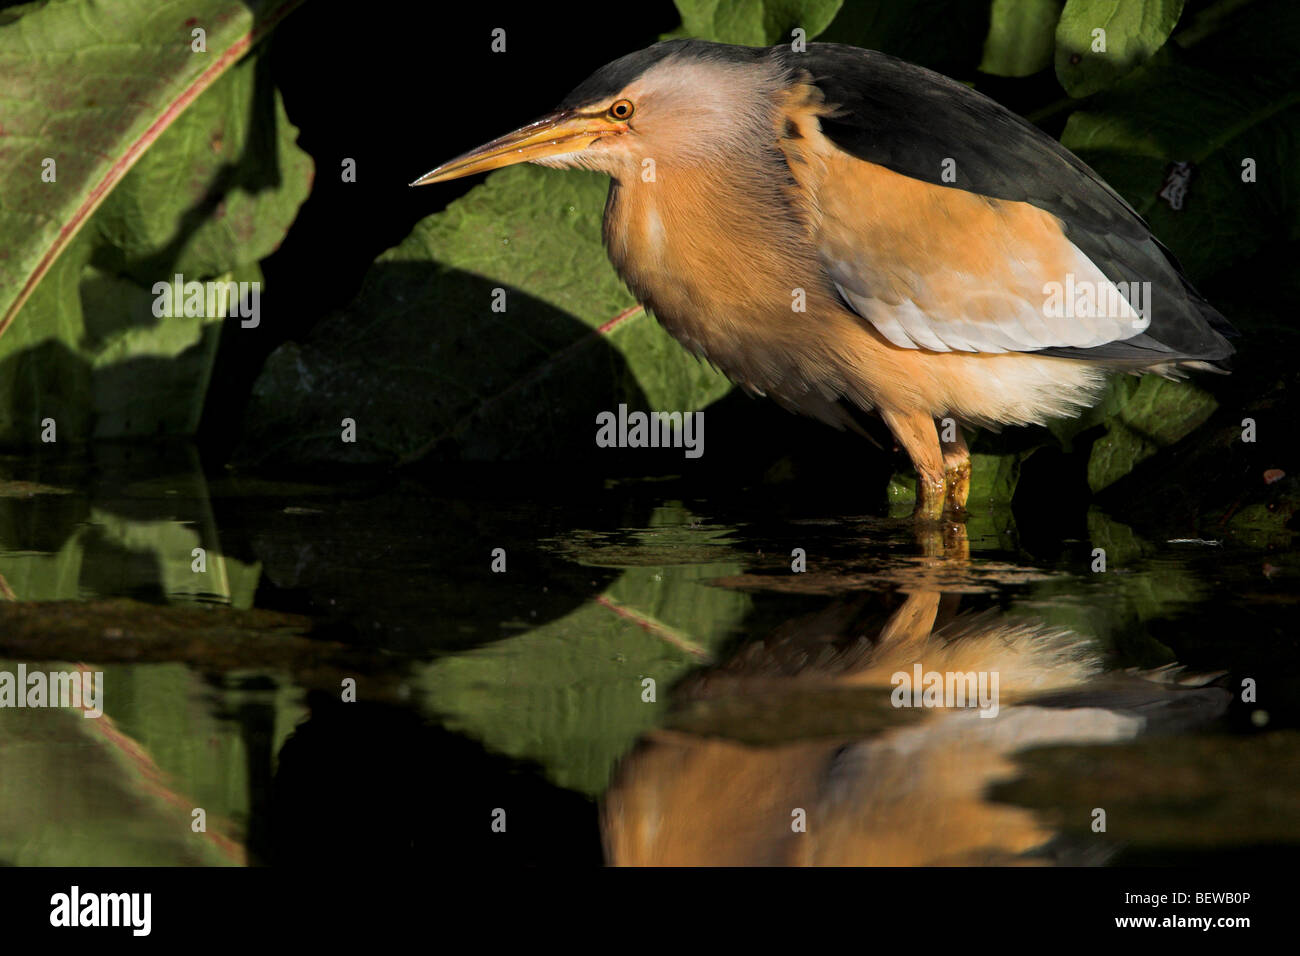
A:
906, 786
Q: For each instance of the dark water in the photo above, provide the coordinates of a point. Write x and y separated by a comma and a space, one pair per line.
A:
647, 681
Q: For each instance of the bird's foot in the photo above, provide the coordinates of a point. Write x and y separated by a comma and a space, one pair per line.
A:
940, 513
956, 481
940, 528
943, 498
931, 494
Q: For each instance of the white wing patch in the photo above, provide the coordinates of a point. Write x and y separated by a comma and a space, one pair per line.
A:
959, 312
943, 269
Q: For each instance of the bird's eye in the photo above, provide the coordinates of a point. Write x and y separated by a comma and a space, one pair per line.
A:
621, 109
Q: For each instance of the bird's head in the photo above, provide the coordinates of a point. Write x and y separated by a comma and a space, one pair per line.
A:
679, 102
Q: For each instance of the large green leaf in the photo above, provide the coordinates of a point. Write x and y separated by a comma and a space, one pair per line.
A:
204, 193
93, 87
220, 188
1141, 417
1022, 35
569, 694
754, 22
160, 749
1130, 32
1223, 103
422, 362
1139, 585
90, 549
120, 807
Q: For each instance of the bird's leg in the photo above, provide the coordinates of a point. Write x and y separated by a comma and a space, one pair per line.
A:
915, 431
956, 472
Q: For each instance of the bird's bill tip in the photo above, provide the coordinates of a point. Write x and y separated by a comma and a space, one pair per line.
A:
554, 135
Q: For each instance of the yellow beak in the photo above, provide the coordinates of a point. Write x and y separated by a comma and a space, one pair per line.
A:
554, 135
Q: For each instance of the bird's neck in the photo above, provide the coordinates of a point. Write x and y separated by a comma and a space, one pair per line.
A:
723, 219
714, 252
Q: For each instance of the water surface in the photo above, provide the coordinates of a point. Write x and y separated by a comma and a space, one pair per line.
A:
647, 681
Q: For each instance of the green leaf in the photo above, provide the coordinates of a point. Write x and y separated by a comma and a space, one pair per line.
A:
100, 552
754, 22
217, 191
148, 379
993, 480
98, 363
1131, 31
1140, 416
160, 748
92, 88
1021, 37
1116, 607
1143, 416
1215, 122
569, 695
136, 816
423, 362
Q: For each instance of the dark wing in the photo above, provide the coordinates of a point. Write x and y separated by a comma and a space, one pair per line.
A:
908, 119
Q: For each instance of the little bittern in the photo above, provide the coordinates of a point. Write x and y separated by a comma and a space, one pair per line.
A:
838, 226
